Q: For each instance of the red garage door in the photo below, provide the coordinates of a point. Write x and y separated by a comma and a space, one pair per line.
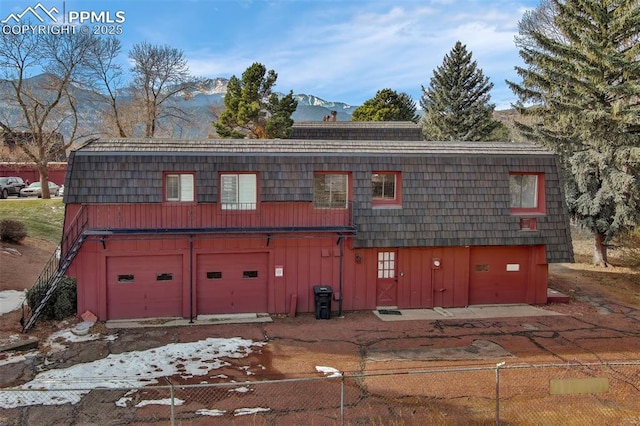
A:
498, 275
232, 283
144, 287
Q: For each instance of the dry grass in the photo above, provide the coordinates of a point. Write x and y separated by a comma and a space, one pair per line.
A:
619, 282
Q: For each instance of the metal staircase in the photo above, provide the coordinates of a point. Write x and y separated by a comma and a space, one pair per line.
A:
57, 266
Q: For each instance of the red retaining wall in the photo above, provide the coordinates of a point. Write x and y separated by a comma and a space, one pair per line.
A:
29, 171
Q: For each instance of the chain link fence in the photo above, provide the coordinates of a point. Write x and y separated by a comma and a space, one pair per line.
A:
567, 394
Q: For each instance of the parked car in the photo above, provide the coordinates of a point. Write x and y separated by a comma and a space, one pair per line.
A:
35, 190
11, 185
61, 190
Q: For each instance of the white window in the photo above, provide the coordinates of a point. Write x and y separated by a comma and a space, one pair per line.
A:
238, 191
330, 190
179, 187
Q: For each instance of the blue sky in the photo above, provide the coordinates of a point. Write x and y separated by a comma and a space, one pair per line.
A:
338, 50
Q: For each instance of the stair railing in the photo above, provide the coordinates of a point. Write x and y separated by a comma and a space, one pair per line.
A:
56, 267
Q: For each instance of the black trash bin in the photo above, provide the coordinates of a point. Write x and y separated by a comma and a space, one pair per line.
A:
323, 295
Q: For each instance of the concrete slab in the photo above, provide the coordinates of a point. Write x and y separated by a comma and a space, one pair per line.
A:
180, 322
21, 345
479, 349
470, 312
554, 296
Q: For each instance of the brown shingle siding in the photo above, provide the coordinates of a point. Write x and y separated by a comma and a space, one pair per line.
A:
455, 194
389, 131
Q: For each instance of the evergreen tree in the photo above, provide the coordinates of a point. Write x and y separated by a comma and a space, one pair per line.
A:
252, 110
387, 105
456, 103
500, 134
579, 96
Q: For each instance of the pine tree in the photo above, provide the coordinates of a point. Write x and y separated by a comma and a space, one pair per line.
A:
456, 103
580, 96
252, 110
387, 105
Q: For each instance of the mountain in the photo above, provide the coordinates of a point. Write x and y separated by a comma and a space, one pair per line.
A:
210, 93
312, 108
199, 106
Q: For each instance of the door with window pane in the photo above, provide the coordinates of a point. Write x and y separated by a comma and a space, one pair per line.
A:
387, 278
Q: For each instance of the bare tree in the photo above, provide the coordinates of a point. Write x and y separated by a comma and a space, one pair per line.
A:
107, 81
40, 108
160, 75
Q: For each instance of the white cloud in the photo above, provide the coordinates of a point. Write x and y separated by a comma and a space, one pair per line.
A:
347, 54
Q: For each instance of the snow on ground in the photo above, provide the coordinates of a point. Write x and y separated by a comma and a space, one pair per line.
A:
127, 370
237, 412
212, 413
164, 401
17, 357
10, 300
56, 341
328, 371
246, 411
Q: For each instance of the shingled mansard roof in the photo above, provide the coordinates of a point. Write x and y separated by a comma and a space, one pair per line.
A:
304, 146
453, 193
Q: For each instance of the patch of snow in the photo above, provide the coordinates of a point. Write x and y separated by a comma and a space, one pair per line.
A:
11, 358
123, 402
328, 371
213, 413
165, 401
57, 340
10, 300
127, 370
245, 411
241, 389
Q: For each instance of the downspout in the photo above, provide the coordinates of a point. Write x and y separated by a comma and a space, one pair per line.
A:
341, 241
190, 279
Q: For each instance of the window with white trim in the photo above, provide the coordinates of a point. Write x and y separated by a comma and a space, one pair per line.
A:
179, 187
238, 191
330, 190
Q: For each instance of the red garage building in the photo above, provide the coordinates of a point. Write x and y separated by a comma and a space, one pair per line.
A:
181, 228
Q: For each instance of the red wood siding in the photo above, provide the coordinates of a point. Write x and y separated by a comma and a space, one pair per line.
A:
305, 262
301, 261
201, 215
